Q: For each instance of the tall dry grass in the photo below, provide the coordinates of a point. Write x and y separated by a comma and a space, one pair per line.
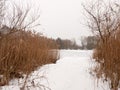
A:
107, 55
22, 52
104, 21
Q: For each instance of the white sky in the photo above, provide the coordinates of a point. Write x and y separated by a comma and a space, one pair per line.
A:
60, 18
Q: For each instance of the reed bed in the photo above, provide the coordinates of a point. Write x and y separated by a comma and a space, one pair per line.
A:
22, 52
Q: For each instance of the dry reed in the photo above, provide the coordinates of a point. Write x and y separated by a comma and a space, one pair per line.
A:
22, 52
107, 55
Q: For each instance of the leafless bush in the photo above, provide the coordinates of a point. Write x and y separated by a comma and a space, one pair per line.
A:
104, 21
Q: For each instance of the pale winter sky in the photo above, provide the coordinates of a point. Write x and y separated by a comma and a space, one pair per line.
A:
61, 18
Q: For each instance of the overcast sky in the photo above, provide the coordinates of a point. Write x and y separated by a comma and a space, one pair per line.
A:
61, 18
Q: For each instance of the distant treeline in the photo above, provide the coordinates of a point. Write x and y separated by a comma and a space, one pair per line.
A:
67, 44
88, 43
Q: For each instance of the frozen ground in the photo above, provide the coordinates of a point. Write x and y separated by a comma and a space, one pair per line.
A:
71, 72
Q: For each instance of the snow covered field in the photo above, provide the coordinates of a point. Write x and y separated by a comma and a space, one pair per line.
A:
71, 72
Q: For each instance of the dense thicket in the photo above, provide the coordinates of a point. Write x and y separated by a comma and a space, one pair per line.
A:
104, 21
22, 50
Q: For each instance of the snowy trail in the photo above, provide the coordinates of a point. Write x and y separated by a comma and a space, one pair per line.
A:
71, 72
70, 75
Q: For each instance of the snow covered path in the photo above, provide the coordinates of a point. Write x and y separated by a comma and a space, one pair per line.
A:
71, 72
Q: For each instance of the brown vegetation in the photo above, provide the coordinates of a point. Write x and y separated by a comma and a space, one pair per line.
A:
105, 23
107, 56
23, 52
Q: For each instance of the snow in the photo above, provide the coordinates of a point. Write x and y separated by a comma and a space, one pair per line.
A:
71, 72
10, 88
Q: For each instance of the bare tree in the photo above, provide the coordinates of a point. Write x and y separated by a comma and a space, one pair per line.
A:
103, 18
2, 9
18, 18
13, 20
104, 21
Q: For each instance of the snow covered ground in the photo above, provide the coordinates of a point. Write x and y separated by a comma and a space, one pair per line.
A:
71, 72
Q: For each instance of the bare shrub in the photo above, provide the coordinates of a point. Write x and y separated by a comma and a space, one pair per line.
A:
104, 21
21, 50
